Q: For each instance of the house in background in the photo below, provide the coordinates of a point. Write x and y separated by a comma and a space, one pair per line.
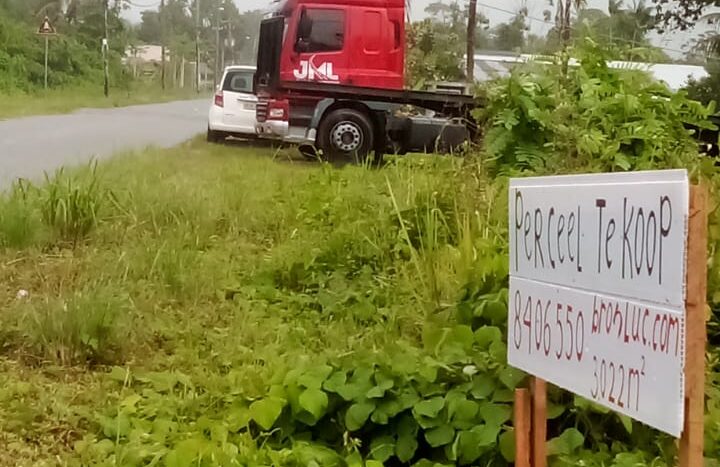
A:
146, 60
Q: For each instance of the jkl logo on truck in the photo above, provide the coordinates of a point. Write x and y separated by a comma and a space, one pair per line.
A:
309, 71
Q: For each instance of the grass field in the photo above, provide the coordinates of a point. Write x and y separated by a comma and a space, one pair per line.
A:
224, 305
60, 101
207, 271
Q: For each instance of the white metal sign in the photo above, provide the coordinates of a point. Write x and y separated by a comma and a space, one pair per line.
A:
597, 288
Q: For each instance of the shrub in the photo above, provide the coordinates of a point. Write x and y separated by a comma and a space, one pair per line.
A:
595, 118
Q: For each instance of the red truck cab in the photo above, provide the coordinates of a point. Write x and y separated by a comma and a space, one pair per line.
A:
351, 42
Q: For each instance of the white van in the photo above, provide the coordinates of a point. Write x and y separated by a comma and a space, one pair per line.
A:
232, 112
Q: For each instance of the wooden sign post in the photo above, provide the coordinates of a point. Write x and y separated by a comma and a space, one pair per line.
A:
692, 440
608, 290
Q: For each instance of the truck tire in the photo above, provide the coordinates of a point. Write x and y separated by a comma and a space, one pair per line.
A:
346, 135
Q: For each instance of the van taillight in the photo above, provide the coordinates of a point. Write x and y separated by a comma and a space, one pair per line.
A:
220, 99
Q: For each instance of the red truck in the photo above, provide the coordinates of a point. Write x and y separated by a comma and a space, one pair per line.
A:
330, 76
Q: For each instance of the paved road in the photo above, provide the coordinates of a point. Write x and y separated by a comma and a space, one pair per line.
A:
33, 145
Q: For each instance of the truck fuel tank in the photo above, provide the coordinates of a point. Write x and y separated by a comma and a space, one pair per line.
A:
434, 134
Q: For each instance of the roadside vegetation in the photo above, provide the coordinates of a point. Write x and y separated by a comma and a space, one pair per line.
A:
75, 60
220, 305
59, 101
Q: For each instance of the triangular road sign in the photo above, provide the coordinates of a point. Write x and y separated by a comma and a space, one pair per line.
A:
46, 27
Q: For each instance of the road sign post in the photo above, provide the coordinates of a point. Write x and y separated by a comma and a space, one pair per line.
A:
607, 299
47, 51
522, 418
46, 30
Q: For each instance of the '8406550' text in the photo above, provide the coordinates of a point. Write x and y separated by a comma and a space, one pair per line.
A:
553, 329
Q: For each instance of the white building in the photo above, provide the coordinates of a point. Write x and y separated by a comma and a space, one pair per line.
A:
676, 76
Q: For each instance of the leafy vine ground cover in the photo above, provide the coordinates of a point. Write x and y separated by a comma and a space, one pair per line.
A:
213, 306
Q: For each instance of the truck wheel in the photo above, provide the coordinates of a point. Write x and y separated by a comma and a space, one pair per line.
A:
346, 135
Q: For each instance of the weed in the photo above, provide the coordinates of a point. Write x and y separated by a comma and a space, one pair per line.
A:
84, 328
70, 204
20, 225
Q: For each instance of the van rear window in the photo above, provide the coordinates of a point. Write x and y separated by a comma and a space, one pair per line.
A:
239, 81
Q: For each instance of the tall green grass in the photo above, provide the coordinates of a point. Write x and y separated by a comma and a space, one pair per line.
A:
70, 204
84, 328
20, 225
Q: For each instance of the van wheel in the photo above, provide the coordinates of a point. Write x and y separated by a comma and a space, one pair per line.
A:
214, 136
346, 135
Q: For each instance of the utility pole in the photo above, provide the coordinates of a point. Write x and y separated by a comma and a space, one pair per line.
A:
162, 44
217, 46
223, 47
105, 51
197, 46
470, 52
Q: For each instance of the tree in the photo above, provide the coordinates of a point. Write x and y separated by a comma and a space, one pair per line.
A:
707, 89
563, 18
621, 29
436, 45
149, 29
681, 14
439, 11
75, 54
510, 36
434, 53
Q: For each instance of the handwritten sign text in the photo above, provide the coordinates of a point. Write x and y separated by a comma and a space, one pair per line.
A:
597, 288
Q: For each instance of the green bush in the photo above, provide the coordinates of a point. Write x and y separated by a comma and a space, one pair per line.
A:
594, 118
448, 403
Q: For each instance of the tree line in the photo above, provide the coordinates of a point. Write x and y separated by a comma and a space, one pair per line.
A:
441, 41
224, 35
75, 57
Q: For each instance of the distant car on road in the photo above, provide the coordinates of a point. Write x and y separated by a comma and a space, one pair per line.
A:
232, 112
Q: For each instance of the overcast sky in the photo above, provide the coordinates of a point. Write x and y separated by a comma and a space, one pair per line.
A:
499, 11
